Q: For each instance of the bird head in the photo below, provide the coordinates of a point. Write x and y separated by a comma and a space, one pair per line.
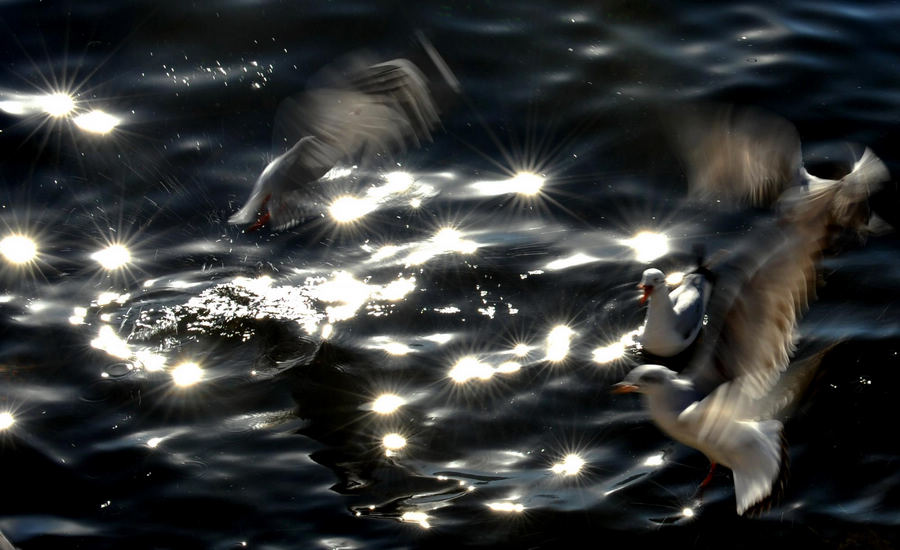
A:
645, 379
652, 279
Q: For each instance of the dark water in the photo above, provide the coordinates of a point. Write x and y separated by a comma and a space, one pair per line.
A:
296, 333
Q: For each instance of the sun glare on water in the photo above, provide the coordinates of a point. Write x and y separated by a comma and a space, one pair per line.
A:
97, 122
648, 245
6, 420
347, 209
18, 249
112, 257
570, 466
387, 403
187, 374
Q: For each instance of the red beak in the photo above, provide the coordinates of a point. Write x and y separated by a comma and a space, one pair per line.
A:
622, 387
648, 289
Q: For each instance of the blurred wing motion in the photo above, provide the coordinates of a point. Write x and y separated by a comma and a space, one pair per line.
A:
724, 402
745, 155
5, 544
736, 154
366, 110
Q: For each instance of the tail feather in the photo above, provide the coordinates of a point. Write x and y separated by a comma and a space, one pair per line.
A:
758, 467
779, 486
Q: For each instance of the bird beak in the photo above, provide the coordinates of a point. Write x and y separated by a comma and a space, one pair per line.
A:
648, 289
623, 387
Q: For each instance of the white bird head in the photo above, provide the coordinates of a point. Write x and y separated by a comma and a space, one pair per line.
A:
645, 379
651, 280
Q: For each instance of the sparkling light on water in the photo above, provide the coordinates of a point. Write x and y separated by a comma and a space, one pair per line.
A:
152, 362
416, 517
58, 104
112, 257
6, 420
468, 368
558, 342
506, 507
398, 181
387, 403
523, 183
97, 122
606, 354
654, 460
570, 466
579, 258
108, 341
187, 374
648, 245
521, 350
18, 249
347, 209
508, 367
393, 442
527, 183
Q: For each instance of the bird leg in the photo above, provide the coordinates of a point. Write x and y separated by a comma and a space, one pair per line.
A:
708, 478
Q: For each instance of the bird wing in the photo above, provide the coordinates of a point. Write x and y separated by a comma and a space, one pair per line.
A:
736, 154
282, 189
754, 449
759, 297
362, 110
690, 304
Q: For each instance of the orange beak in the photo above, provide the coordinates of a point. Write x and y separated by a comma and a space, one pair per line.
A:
648, 289
622, 387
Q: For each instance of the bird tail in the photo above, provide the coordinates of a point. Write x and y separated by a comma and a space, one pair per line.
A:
760, 464
779, 484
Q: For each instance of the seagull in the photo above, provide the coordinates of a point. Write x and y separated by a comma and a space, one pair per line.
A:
741, 154
674, 318
762, 290
364, 111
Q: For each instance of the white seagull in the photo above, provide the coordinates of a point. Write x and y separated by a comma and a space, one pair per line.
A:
761, 292
365, 111
673, 318
743, 155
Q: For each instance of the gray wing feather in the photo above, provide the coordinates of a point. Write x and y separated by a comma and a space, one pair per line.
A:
689, 318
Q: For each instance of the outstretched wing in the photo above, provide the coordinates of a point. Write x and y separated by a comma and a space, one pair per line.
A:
760, 294
364, 110
736, 154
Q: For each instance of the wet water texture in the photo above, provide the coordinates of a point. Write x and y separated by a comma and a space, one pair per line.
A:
424, 361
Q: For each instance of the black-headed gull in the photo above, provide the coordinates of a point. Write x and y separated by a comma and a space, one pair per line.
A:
761, 292
673, 318
367, 110
743, 155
